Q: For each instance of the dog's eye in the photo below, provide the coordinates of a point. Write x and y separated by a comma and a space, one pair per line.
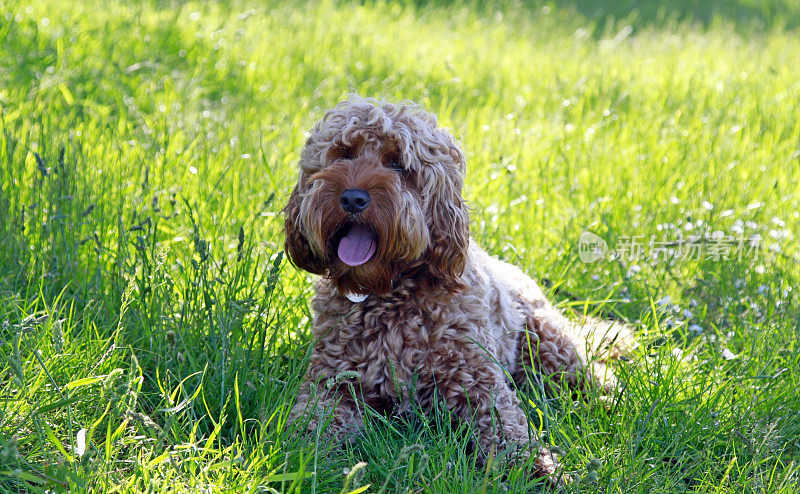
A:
393, 161
341, 152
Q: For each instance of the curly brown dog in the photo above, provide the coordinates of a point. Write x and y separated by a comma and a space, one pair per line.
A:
405, 296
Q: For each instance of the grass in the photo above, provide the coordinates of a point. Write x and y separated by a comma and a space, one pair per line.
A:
145, 305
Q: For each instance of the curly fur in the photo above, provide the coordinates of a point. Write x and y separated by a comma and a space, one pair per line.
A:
440, 312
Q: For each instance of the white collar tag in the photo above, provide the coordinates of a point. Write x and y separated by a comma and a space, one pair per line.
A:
355, 297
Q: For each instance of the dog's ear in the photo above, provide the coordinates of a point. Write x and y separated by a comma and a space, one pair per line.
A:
448, 222
296, 244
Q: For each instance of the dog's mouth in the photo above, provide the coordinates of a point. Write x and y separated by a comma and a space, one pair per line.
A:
354, 243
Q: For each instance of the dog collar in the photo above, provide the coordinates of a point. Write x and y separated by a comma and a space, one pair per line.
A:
355, 297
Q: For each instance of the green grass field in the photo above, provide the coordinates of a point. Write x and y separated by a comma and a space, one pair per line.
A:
152, 335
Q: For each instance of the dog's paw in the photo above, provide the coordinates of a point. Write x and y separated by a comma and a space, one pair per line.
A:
546, 466
541, 462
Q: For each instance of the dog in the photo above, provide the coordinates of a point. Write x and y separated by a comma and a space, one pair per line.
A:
405, 296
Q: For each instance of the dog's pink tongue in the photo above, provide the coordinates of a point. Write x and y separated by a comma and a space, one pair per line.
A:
358, 246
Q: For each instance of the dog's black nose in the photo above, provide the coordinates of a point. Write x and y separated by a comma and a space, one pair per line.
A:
354, 200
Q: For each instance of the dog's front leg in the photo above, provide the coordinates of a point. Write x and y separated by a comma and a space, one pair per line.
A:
321, 405
509, 427
485, 398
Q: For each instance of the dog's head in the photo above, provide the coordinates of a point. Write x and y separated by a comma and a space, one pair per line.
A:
379, 196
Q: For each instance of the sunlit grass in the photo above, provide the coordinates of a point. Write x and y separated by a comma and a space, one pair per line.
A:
147, 149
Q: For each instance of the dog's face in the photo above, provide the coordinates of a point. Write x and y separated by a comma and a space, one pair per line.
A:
379, 196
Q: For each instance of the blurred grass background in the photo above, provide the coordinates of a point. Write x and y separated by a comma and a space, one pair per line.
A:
147, 149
